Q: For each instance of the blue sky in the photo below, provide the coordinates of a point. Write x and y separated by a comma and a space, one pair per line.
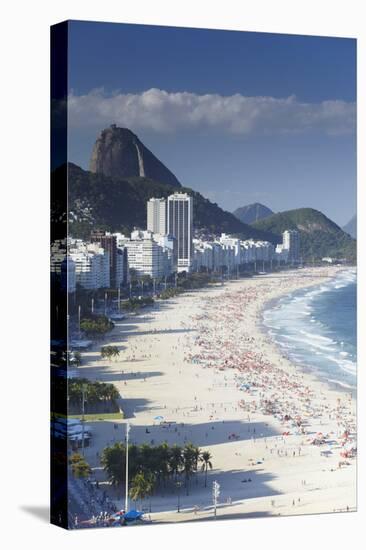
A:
240, 117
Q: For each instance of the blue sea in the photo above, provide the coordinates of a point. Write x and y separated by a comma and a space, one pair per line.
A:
316, 328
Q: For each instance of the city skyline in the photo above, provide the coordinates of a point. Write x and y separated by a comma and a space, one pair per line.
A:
250, 121
165, 247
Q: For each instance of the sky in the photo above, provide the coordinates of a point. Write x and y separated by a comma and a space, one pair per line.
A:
241, 117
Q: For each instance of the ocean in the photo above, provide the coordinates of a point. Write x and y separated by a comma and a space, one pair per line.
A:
316, 328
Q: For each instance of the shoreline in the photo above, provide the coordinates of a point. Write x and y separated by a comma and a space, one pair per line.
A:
272, 303
157, 374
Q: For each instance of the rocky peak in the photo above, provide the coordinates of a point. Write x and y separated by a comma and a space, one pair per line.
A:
118, 152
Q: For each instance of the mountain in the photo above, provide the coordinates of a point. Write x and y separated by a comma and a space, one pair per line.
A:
319, 236
97, 201
118, 152
252, 212
351, 227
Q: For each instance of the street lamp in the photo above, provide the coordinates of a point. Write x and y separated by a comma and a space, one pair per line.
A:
127, 441
215, 494
179, 485
83, 390
79, 319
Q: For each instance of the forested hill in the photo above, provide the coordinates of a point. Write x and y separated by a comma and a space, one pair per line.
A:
320, 236
252, 212
119, 204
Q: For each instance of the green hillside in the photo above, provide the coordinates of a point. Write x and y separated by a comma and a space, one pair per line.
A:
119, 204
320, 236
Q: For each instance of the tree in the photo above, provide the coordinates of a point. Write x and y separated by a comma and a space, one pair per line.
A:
95, 394
146, 279
149, 466
206, 463
163, 455
79, 466
108, 352
147, 458
96, 325
196, 458
142, 485
175, 460
113, 460
188, 463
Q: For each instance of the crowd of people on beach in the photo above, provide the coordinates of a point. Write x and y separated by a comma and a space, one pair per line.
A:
270, 387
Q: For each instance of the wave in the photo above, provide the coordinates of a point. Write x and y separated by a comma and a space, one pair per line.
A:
315, 327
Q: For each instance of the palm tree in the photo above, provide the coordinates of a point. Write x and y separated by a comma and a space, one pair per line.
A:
196, 457
134, 460
142, 485
147, 458
162, 457
188, 463
113, 460
151, 480
107, 352
175, 460
206, 463
114, 351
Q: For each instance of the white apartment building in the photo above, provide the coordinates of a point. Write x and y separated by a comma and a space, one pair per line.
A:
63, 266
92, 268
249, 251
291, 243
146, 256
264, 251
233, 243
157, 216
281, 254
202, 256
169, 245
230, 252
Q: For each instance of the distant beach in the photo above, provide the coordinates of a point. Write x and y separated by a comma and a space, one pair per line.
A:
203, 362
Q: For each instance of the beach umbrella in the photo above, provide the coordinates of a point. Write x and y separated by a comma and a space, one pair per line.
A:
133, 515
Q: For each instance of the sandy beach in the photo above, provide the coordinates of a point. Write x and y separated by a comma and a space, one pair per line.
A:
277, 433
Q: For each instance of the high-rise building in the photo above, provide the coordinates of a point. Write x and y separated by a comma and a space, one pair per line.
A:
291, 242
109, 243
157, 216
180, 225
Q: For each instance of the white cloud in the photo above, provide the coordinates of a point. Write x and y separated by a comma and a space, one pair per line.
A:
166, 112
